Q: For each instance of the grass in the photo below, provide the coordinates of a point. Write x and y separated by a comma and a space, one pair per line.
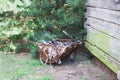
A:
85, 78
17, 68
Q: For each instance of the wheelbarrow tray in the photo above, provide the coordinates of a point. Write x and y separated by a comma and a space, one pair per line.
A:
51, 53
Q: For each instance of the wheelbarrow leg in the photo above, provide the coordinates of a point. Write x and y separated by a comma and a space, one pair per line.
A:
59, 61
73, 55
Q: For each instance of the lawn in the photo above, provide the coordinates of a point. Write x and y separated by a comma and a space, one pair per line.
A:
15, 67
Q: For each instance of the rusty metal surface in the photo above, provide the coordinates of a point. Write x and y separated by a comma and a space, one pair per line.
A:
53, 52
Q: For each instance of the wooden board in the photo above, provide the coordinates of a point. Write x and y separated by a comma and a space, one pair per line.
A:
103, 31
106, 15
108, 28
106, 59
106, 4
104, 42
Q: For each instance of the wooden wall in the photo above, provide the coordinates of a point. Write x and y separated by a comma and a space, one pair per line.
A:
103, 26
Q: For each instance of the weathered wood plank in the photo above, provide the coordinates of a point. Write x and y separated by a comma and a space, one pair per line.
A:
107, 4
118, 75
106, 59
103, 28
108, 28
106, 15
104, 42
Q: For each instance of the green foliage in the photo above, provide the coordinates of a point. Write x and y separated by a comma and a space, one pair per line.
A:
38, 20
34, 51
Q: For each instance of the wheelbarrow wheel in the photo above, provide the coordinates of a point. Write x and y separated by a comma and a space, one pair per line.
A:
41, 59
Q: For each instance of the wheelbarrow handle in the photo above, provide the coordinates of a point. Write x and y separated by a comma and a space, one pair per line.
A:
69, 36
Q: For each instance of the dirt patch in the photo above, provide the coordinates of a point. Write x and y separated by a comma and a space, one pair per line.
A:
82, 68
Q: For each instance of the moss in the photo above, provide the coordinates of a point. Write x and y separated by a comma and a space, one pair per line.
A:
107, 60
102, 41
99, 39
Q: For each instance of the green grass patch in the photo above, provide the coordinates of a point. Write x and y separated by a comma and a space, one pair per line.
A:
17, 68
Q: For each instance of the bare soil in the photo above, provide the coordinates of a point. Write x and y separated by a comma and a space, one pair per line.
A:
82, 68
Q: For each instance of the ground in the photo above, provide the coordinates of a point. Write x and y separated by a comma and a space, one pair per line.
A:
22, 67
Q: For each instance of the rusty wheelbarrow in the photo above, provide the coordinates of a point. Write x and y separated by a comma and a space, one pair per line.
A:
54, 51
